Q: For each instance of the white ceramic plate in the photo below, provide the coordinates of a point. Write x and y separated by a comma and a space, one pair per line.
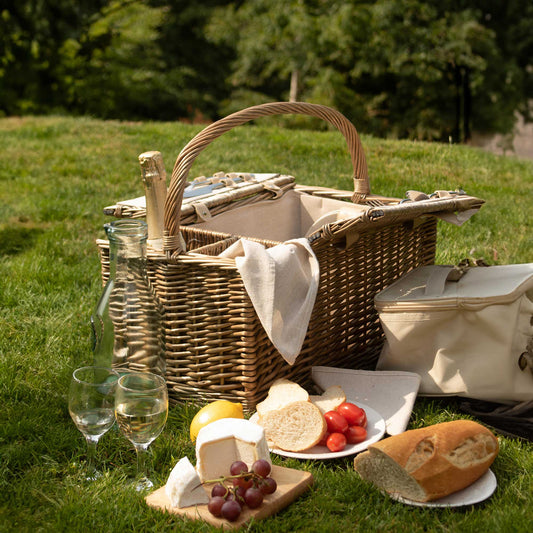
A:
375, 430
477, 492
392, 393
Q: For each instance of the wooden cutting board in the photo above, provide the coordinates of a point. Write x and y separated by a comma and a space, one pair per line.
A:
291, 484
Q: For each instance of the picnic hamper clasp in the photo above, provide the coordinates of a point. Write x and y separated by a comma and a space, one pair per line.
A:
272, 187
202, 211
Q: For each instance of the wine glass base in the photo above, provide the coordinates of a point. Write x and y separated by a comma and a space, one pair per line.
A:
93, 476
87, 472
142, 485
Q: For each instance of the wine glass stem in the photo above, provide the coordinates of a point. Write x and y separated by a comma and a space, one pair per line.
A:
91, 455
141, 460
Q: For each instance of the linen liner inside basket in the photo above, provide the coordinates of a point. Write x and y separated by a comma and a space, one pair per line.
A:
282, 219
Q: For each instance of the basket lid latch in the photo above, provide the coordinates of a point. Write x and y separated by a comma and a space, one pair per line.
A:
272, 187
202, 212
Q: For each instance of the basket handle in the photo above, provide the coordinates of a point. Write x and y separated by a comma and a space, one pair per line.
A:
189, 153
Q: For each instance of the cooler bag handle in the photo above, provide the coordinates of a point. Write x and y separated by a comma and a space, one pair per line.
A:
187, 156
438, 278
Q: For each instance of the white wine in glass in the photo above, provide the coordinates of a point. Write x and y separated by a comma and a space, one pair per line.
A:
141, 410
90, 404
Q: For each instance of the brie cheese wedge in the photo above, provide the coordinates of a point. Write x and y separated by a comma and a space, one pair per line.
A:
225, 441
184, 487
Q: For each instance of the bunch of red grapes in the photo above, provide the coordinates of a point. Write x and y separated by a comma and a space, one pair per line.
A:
248, 488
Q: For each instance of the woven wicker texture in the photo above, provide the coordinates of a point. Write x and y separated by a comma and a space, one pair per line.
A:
215, 345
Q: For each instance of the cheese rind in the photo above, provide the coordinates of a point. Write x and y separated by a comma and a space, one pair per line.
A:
225, 441
184, 487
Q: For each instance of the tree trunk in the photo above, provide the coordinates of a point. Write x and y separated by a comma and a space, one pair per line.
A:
295, 86
463, 105
467, 105
456, 136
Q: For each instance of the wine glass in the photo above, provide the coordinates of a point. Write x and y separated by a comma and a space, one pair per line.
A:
141, 409
90, 404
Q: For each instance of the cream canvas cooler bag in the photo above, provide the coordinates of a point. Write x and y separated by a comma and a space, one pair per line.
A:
466, 332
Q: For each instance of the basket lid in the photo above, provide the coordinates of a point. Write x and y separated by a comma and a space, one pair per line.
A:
220, 189
436, 286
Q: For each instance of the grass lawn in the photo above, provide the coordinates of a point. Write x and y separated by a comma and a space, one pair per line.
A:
56, 175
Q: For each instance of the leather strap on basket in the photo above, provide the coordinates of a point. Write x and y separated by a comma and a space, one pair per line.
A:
189, 153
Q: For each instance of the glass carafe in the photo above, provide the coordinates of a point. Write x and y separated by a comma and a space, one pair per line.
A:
127, 323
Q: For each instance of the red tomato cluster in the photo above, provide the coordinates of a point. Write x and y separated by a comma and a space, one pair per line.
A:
346, 425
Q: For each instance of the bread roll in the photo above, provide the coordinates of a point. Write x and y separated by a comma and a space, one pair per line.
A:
331, 398
429, 463
295, 427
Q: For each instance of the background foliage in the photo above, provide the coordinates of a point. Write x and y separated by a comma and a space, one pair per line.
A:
420, 69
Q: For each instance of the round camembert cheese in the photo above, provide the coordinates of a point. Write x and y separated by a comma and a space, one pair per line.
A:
225, 441
184, 487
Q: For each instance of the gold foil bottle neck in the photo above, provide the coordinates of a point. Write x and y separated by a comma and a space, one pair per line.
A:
155, 190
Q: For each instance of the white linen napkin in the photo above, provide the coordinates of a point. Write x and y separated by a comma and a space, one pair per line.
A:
282, 283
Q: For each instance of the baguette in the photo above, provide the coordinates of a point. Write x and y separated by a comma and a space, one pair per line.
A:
429, 463
295, 427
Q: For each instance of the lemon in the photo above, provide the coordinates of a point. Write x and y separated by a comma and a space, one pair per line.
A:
214, 411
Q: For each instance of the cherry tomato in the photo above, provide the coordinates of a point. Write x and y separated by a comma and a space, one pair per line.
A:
336, 422
355, 434
336, 442
352, 413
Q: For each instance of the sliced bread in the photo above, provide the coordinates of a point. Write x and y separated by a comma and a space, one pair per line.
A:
282, 392
330, 399
295, 427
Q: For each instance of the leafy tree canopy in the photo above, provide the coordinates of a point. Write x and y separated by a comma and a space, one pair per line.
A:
410, 68
423, 69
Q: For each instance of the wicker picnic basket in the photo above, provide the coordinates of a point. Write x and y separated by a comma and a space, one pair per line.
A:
216, 348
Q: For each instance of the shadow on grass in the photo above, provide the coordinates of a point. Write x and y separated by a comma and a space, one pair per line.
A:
17, 238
